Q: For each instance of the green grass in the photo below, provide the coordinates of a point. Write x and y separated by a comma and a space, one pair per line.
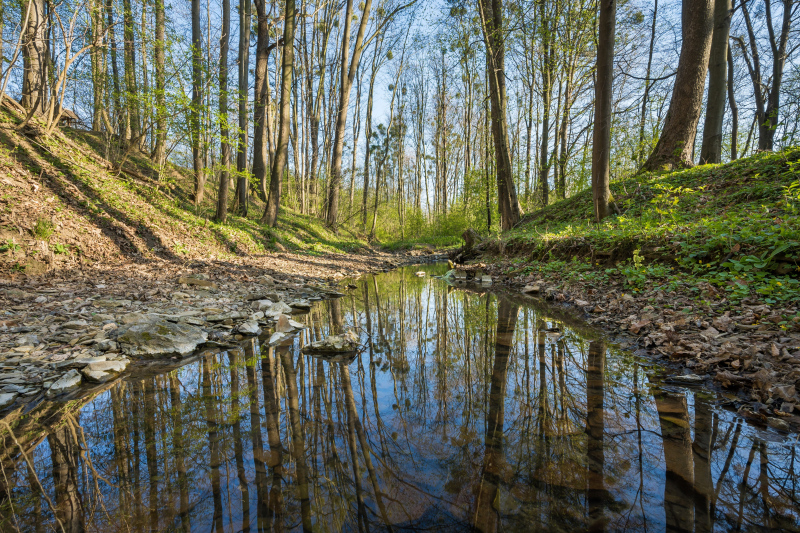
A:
735, 227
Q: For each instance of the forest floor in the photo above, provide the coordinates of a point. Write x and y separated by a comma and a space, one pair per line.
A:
700, 269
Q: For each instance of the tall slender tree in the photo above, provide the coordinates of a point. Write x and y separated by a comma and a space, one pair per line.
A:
711, 149
270, 215
225, 143
603, 108
197, 102
491, 13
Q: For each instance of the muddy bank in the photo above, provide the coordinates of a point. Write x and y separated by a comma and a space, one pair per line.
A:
67, 330
752, 352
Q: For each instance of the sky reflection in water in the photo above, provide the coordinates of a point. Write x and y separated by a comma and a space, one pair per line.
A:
462, 413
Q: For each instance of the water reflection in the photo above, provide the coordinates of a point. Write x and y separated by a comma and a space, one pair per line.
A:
464, 412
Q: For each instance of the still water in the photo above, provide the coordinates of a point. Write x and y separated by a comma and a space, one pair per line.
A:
465, 411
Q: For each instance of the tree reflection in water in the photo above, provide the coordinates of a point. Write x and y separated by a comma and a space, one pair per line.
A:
465, 411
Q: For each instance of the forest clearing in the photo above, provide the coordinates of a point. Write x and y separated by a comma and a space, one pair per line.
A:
500, 265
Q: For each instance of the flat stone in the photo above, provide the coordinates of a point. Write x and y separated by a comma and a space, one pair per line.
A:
75, 324
197, 281
249, 328
107, 366
89, 360
527, 289
233, 315
261, 305
68, 381
26, 340
300, 304
138, 318
97, 376
7, 399
278, 307
111, 303
161, 338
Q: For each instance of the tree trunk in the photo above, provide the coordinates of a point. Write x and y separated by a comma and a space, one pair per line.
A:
368, 149
34, 57
225, 146
132, 129
492, 19
711, 150
260, 158
547, 97
197, 101
603, 92
245, 14
647, 86
734, 109
675, 146
159, 154
98, 63
347, 75
769, 124
282, 152
112, 41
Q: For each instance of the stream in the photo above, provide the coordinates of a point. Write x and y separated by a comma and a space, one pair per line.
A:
465, 410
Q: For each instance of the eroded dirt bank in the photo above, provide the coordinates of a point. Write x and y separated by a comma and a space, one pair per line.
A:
68, 329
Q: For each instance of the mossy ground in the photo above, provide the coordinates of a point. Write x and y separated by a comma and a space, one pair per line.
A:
734, 228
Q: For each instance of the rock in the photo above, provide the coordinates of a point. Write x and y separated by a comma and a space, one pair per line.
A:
7, 399
531, 289
108, 366
27, 340
279, 307
334, 344
688, 378
41, 299
300, 304
420, 274
233, 315
486, 280
161, 338
261, 305
582, 303
89, 360
249, 328
67, 382
96, 376
196, 280
110, 303
75, 324
138, 318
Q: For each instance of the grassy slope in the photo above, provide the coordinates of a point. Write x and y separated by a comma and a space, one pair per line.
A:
61, 203
735, 226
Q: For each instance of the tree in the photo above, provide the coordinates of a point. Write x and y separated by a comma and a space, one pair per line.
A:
768, 95
34, 56
603, 91
675, 147
159, 154
197, 100
348, 66
711, 150
225, 144
270, 215
491, 12
245, 14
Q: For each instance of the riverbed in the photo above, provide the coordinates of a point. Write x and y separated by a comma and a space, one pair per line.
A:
464, 409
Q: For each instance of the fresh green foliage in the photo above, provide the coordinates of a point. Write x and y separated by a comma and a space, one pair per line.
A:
733, 227
43, 228
9, 245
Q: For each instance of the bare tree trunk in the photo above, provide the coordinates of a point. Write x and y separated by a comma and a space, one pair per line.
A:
711, 150
282, 152
547, 96
112, 41
734, 109
98, 63
34, 57
225, 146
260, 156
603, 92
647, 86
347, 75
159, 154
132, 128
492, 25
675, 146
245, 14
197, 101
